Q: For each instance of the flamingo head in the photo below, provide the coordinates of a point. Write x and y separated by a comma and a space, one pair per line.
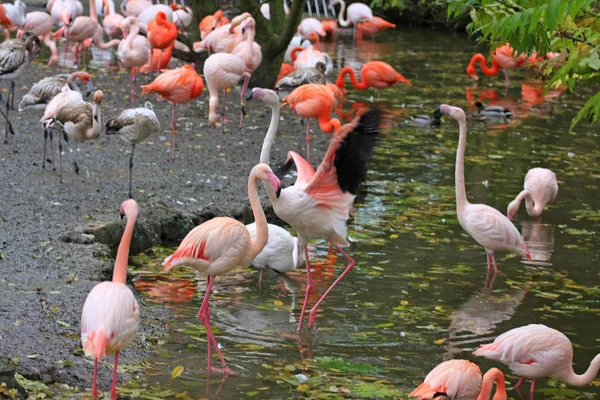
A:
313, 37
454, 112
512, 209
129, 209
265, 173
267, 96
98, 97
248, 23
85, 78
161, 16
65, 17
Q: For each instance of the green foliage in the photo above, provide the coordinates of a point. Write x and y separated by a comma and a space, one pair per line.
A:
387, 4
571, 28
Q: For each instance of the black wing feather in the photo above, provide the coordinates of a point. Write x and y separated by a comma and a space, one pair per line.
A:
284, 168
355, 152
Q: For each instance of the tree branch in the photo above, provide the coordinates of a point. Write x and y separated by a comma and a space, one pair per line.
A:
574, 38
292, 24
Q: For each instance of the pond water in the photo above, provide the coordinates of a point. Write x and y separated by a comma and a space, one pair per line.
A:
418, 293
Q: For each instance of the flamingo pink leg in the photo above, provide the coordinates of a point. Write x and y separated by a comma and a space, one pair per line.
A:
204, 316
113, 389
349, 267
308, 139
260, 277
223, 118
309, 287
243, 99
520, 382
94, 387
489, 261
532, 390
173, 133
493, 257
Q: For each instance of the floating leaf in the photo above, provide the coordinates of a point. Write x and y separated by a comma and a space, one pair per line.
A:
178, 370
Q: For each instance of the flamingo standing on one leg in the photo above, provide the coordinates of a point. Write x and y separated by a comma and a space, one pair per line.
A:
251, 53
161, 32
375, 74
539, 190
222, 70
314, 101
318, 205
177, 86
221, 244
110, 316
536, 351
460, 379
224, 38
41, 23
503, 57
357, 12
134, 51
488, 226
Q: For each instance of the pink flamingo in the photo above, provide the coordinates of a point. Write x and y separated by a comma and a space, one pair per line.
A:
224, 38
110, 316
503, 57
222, 70
64, 11
210, 22
250, 52
308, 25
357, 12
81, 29
134, 51
133, 8
539, 190
483, 223
460, 379
41, 23
16, 13
111, 23
535, 351
318, 205
373, 74
221, 244
314, 101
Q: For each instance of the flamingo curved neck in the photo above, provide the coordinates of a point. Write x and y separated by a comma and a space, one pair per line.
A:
329, 125
349, 71
265, 153
93, 14
343, 22
260, 240
133, 31
534, 209
480, 58
493, 375
459, 175
120, 271
572, 378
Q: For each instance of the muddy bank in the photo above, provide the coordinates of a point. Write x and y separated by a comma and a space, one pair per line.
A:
54, 238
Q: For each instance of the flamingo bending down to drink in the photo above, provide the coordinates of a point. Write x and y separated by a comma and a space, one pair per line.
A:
539, 190
314, 101
460, 379
356, 13
318, 205
375, 74
221, 244
488, 226
178, 86
503, 57
536, 351
110, 316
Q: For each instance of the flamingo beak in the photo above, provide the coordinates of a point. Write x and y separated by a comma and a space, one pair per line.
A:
249, 95
510, 216
274, 180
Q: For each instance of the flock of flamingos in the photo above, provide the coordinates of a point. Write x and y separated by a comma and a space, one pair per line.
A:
317, 206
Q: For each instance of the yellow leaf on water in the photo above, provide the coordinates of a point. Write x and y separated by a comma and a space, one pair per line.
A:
439, 341
302, 388
404, 302
278, 302
393, 236
178, 370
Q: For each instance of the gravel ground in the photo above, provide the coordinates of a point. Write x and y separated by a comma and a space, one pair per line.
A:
48, 264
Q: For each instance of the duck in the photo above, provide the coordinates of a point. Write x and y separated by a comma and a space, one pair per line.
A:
434, 119
492, 112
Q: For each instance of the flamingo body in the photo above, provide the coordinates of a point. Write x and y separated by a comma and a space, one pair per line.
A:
16, 12
308, 25
211, 22
539, 190
43, 91
376, 74
282, 252
149, 14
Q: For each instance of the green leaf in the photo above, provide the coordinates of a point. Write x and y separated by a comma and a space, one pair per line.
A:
347, 366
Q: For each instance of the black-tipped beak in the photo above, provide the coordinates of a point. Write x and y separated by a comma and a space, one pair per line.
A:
278, 192
243, 30
122, 215
249, 95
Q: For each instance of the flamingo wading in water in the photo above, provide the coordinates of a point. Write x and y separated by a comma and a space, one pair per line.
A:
110, 316
460, 380
375, 74
356, 13
536, 351
488, 226
503, 57
539, 190
221, 244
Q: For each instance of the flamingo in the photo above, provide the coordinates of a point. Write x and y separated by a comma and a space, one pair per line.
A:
159, 61
182, 17
178, 86
111, 23
317, 206
15, 55
329, 27
485, 224
134, 51
539, 190
41, 23
373, 27
250, 52
210, 22
265, 10
460, 379
105, 7
5, 22
536, 351
221, 244
134, 125
224, 38
285, 70
222, 70
281, 253
133, 8
149, 14
16, 13
161, 32
376, 74
311, 55
357, 12
110, 316
503, 57
314, 101
81, 121
64, 11
44, 90
309, 25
